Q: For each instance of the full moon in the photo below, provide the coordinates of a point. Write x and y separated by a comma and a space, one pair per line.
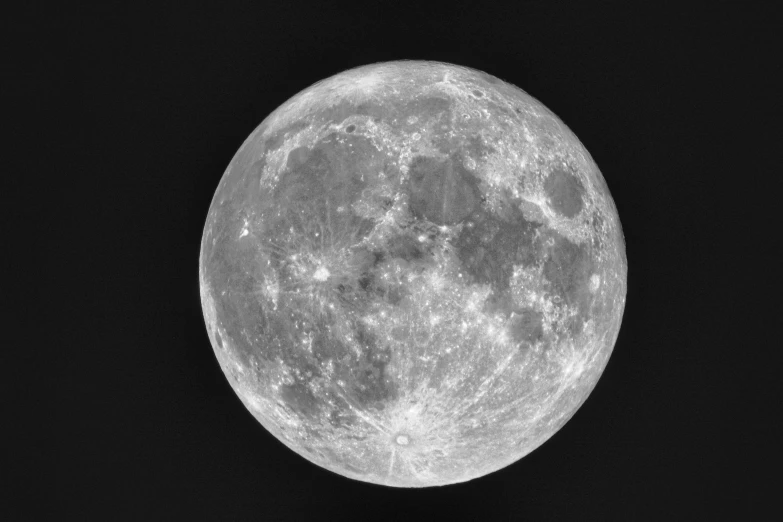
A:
412, 273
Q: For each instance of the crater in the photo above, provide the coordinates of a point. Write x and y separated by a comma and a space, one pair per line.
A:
564, 191
340, 111
402, 440
427, 108
527, 326
322, 274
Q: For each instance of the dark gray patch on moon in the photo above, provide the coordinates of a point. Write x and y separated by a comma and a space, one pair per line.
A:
490, 245
441, 191
565, 192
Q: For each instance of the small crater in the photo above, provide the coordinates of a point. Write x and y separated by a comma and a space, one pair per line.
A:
402, 440
365, 280
350, 128
477, 93
421, 336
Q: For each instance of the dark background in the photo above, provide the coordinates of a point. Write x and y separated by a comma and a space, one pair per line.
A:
135, 113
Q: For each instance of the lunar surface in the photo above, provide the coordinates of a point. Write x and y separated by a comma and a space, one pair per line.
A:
412, 274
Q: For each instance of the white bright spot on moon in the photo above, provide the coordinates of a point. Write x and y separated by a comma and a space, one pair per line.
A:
403, 440
595, 281
322, 274
245, 230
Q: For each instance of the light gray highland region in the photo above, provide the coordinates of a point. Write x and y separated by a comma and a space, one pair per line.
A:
412, 274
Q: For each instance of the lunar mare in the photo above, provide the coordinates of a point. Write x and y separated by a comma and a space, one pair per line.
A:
412, 274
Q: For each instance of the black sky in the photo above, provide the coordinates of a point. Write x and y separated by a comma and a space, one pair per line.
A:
138, 111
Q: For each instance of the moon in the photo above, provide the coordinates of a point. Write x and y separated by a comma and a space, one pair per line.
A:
412, 273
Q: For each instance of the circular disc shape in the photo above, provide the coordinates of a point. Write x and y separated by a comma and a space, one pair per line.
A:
412, 273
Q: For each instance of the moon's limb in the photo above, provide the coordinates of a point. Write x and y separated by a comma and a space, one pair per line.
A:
413, 274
